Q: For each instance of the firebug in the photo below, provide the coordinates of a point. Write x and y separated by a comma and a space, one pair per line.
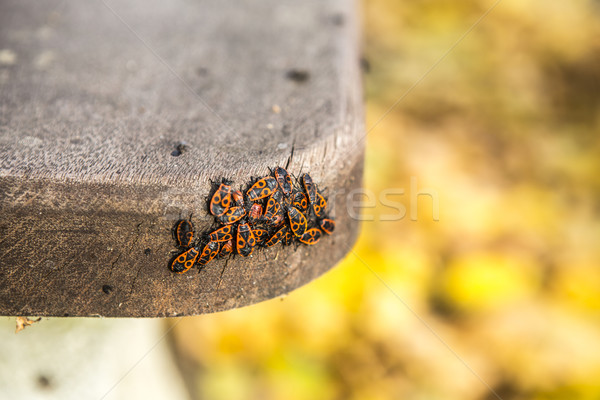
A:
309, 188
277, 236
221, 200
208, 253
184, 233
255, 212
327, 225
300, 201
226, 248
238, 198
222, 234
262, 188
245, 240
260, 235
288, 238
232, 215
297, 221
284, 180
311, 236
273, 205
320, 206
183, 262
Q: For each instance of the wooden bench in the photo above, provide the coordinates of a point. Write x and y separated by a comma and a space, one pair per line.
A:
114, 119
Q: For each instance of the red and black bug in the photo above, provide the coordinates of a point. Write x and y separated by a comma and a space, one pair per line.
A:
238, 198
327, 225
245, 240
309, 188
297, 221
288, 238
273, 205
183, 262
221, 200
226, 248
273, 209
232, 215
300, 201
277, 236
277, 220
260, 235
183, 232
208, 253
222, 234
262, 188
320, 206
311, 236
255, 212
284, 180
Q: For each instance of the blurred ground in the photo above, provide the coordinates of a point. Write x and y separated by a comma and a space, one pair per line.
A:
504, 131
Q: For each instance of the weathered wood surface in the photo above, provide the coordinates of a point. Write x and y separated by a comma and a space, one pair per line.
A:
115, 116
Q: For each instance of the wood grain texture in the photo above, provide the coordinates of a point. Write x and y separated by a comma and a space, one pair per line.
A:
114, 118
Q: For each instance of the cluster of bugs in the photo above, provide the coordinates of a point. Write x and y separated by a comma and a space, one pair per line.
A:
271, 210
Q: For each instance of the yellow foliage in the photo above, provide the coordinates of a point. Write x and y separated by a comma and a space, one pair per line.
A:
503, 291
489, 281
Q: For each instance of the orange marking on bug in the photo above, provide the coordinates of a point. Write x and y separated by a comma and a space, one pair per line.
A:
327, 225
221, 200
273, 207
260, 235
184, 261
284, 180
184, 233
320, 206
311, 236
277, 220
255, 212
226, 248
209, 252
276, 238
234, 214
300, 201
309, 187
222, 234
238, 197
297, 221
262, 188
245, 240
288, 238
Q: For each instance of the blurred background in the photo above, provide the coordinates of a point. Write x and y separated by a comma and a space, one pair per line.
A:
504, 289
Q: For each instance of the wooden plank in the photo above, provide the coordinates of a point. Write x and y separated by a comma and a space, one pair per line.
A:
115, 117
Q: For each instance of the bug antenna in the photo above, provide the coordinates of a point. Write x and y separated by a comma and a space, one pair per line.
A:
291, 157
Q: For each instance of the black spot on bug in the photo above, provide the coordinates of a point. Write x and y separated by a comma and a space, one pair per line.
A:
298, 75
147, 252
179, 149
65, 314
107, 289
